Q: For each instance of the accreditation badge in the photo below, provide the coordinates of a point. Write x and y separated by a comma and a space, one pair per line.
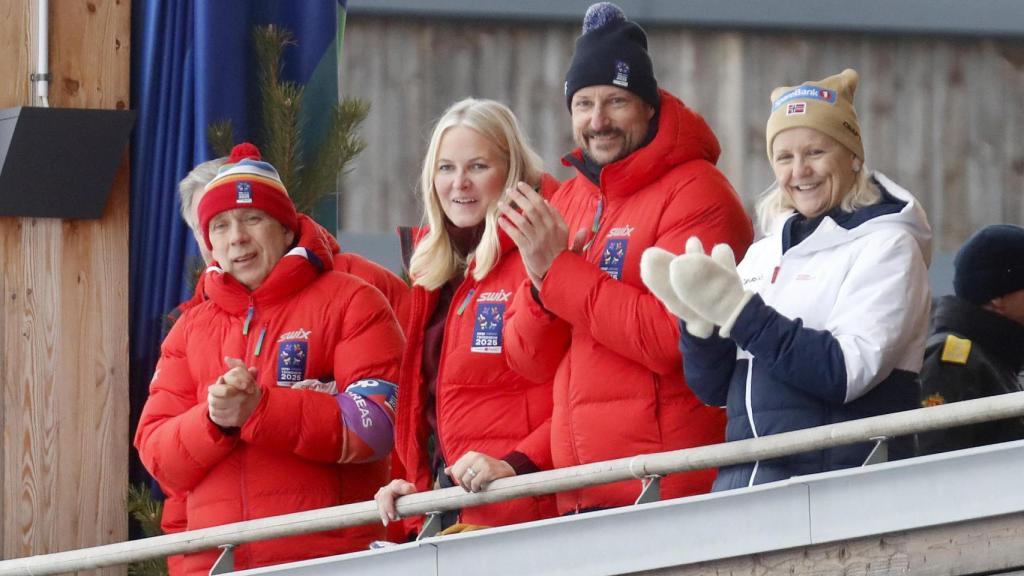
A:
487, 326
291, 362
614, 256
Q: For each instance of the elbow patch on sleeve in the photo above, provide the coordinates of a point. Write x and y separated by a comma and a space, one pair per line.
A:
367, 410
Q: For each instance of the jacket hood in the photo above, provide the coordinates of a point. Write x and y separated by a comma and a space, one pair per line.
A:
311, 256
683, 136
898, 208
319, 238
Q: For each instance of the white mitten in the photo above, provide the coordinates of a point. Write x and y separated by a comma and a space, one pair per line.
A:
654, 271
709, 285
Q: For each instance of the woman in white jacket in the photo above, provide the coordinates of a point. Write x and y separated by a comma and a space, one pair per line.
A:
825, 319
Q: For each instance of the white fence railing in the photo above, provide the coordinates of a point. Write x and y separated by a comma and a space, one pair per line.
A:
547, 482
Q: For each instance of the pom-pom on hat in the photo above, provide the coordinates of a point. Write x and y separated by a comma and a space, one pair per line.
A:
246, 181
825, 105
990, 264
611, 51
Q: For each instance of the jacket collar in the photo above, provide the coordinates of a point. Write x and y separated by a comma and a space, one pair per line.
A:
311, 256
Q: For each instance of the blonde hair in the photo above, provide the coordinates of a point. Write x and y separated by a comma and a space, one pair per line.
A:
774, 202
435, 260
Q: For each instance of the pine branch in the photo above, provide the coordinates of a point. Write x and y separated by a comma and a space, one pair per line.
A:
221, 136
281, 103
342, 145
145, 509
142, 507
282, 134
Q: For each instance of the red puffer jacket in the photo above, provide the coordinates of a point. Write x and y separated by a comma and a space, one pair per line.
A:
299, 450
482, 405
608, 342
395, 290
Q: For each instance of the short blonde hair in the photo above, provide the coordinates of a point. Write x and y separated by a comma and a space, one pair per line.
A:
435, 260
774, 202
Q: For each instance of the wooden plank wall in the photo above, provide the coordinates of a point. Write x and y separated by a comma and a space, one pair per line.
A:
943, 117
64, 311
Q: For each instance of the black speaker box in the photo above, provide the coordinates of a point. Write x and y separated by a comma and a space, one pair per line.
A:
60, 162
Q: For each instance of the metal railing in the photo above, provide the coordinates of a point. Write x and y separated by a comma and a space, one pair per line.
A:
641, 468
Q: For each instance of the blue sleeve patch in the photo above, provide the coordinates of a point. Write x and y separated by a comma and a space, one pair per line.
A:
372, 387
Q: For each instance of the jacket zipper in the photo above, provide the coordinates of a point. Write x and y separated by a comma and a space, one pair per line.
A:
595, 227
250, 314
750, 412
750, 381
450, 324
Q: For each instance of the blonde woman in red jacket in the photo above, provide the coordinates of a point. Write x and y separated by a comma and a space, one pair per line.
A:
275, 394
464, 417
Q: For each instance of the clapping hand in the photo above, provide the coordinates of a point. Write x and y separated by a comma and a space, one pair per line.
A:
710, 285
234, 396
654, 271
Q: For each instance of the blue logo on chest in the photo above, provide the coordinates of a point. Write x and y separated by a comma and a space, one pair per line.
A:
291, 361
487, 326
614, 256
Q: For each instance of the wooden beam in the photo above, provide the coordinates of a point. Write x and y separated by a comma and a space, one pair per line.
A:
64, 311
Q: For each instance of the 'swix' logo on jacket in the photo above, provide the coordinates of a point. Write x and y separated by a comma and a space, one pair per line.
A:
614, 254
499, 296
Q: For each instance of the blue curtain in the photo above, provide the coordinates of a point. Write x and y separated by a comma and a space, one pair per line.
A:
193, 64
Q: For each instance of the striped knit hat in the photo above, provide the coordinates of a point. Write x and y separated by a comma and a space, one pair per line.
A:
246, 182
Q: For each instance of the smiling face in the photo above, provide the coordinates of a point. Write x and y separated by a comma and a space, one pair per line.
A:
247, 243
813, 170
469, 177
608, 122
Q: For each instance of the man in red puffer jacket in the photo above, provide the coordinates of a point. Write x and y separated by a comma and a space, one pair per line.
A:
274, 395
646, 177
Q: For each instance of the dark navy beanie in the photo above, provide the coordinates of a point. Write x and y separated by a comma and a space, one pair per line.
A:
611, 51
990, 264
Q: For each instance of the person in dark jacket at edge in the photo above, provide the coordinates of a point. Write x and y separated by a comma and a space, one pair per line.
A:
977, 344
646, 176
825, 319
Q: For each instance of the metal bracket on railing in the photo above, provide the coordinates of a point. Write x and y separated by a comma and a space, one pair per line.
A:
880, 453
226, 562
431, 526
651, 491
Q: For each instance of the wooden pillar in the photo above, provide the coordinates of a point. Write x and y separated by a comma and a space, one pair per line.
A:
64, 311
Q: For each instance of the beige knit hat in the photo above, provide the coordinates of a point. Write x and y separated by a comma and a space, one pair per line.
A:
825, 105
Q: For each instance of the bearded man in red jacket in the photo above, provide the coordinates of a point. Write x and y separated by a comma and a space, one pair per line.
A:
274, 394
646, 177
